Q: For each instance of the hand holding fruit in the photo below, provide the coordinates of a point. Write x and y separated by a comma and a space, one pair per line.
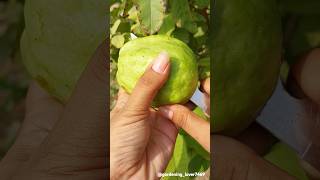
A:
141, 139
234, 158
198, 128
64, 141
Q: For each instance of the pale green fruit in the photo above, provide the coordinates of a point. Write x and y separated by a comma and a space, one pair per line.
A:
246, 52
59, 38
136, 55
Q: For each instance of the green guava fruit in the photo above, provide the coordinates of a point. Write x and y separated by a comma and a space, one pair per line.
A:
246, 51
136, 55
59, 39
282, 156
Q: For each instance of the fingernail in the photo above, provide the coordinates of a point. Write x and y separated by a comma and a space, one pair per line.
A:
166, 112
161, 62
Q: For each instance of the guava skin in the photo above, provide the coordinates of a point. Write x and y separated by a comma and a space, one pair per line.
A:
246, 52
136, 55
59, 39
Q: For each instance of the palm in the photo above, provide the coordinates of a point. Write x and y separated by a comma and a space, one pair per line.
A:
158, 150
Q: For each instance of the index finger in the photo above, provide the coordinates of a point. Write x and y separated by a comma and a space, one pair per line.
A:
205, 85
195, 126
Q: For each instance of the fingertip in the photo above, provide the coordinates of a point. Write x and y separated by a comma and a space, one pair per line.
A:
205, 86
161, 63
149, 83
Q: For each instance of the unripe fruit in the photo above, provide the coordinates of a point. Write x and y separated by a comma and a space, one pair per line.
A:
246, 51
136, 55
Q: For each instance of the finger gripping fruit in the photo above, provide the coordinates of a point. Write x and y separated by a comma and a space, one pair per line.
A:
136, 55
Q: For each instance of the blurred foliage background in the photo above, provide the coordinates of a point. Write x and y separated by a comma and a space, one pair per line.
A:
13, 77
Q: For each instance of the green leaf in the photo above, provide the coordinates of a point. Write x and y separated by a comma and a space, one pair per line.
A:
118, 41
114, 54
182, 34
124, 27
198, 111
116, 11
133, 13
168, 25
204, 68
182, 13
185, 159
115, 26
115, 1
202, 3
197, 164
194, 145
282, 156
137, 30
198, 17
200, 32
180, 159
151, 14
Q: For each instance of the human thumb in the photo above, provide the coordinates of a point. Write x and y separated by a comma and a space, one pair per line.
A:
149, 84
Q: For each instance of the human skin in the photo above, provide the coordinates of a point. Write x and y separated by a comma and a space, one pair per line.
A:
142, 140
61, 142
184, 118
